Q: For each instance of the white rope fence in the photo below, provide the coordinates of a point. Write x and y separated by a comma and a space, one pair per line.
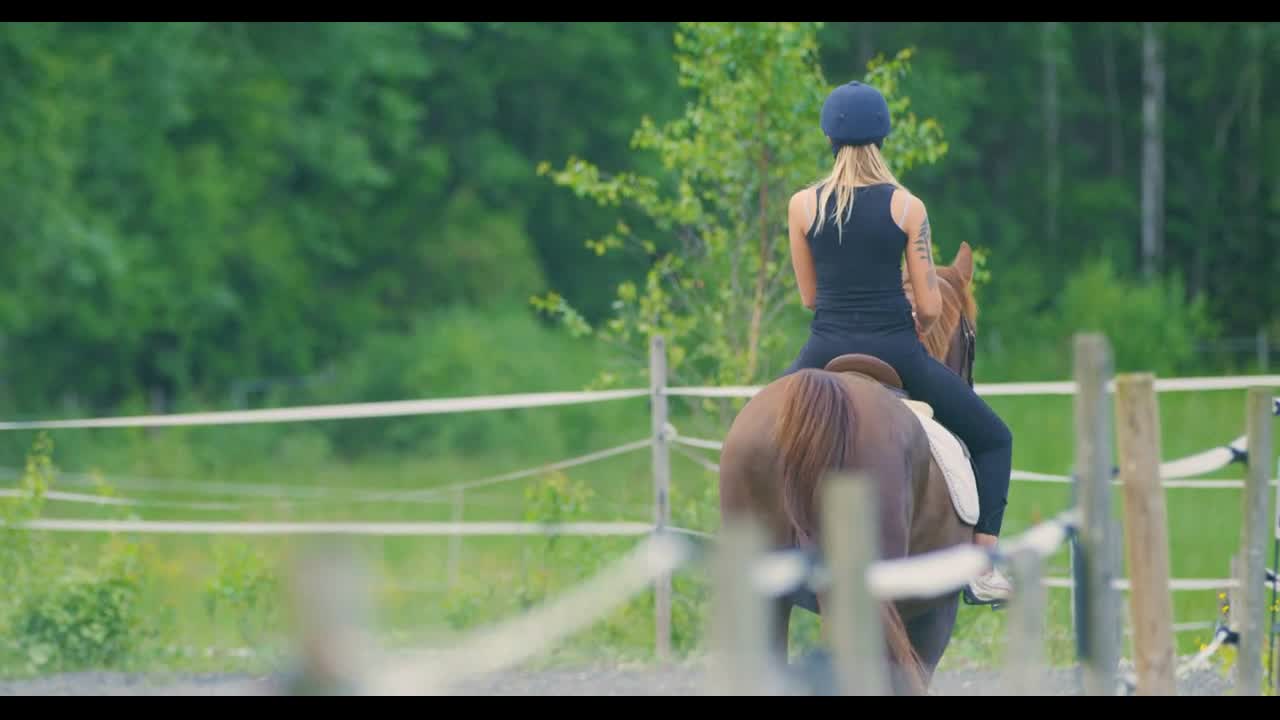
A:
434, 406
121, 502
338, 528
434, 492
1021, 388
1173, 471
337, 412
1175, 584
434, 495
938, 572
510, 642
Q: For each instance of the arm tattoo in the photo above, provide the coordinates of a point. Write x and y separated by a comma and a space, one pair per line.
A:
926, 252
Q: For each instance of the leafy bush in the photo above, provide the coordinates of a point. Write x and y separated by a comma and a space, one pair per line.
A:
85, 620
59, 617
1152, 326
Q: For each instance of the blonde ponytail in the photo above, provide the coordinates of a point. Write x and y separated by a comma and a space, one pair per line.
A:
855, 165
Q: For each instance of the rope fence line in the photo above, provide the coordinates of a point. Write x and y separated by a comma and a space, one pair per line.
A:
339, 528
484, 501
346, 411
704, 463
121, 502
436, 406
1188, 384
431, 495
510, 642
779, 573
1175, 584
517, 475
1201, 484
1173, 471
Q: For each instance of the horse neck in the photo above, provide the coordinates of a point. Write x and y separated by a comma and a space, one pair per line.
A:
946, 335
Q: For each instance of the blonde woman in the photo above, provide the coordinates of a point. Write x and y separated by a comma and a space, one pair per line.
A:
848, 266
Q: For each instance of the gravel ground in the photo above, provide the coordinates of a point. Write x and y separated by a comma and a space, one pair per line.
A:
678, 680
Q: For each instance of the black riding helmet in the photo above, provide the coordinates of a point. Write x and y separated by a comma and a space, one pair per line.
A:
855, 114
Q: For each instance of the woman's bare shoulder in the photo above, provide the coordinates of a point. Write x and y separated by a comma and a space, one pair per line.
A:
801, 206
907, 208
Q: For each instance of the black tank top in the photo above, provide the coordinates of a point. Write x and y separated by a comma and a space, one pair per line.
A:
859, 264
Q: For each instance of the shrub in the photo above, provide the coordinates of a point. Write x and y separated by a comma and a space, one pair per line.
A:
1151, 326
85, 620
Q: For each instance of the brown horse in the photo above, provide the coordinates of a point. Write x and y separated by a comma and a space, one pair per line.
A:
803, 425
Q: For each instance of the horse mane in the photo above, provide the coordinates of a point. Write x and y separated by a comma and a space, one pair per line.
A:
954, 303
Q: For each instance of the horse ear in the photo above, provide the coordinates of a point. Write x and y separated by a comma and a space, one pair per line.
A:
964, 262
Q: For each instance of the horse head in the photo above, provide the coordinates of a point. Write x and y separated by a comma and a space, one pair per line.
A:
952, 339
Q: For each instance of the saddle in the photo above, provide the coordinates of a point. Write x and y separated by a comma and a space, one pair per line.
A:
949, 452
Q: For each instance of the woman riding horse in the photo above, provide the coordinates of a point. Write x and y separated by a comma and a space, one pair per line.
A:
847, 261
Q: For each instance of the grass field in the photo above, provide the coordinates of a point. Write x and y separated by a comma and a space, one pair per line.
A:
201, 600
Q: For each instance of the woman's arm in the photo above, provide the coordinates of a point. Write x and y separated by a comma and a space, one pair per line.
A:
924, 279
798, 222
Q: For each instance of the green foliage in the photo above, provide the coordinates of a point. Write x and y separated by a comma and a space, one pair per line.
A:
199, 203
21, 548
720, 275
458, 352
60, 616
1151, 326
243, 587
84, 620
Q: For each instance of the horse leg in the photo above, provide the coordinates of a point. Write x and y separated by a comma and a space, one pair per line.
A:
781, 629
930, 633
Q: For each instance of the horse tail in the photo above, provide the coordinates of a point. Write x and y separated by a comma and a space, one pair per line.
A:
909, 675
815, 432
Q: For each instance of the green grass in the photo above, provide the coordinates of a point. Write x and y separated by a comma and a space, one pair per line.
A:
415, 599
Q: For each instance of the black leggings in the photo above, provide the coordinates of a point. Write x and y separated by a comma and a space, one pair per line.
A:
955, 404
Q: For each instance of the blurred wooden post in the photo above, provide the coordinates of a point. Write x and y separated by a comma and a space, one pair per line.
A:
661, 487
851, 542
1253, 543
1275, 582
741, 623
1233, 607
1024, 663
330, 601
1100, 611
1146, 533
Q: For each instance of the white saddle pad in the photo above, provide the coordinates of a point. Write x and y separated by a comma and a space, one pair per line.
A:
954, 462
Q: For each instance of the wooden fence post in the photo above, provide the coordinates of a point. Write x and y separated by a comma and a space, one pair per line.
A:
1275, 604
1100, 611
1253, 543
851, 543
741, 623
1024, 663
1146, 533
330, 593
661, 488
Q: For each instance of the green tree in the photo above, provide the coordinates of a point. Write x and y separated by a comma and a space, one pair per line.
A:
719, 278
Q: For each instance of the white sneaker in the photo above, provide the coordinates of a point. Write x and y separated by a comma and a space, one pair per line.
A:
991, 587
